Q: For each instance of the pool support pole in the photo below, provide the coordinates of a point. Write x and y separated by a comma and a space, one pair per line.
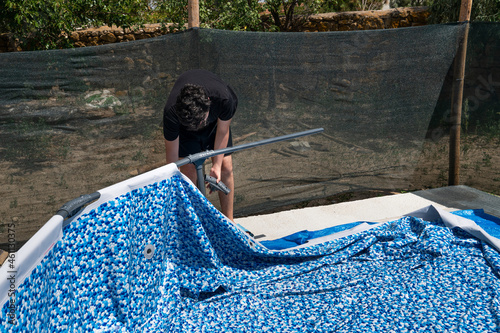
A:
199, 158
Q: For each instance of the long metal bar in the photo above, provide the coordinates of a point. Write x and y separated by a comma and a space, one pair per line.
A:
457, 96
210, 153
199, 158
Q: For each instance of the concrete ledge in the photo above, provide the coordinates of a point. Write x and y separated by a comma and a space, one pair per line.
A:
380, 209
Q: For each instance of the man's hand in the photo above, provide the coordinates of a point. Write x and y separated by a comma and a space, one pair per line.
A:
215, 172
213, 185
221, 139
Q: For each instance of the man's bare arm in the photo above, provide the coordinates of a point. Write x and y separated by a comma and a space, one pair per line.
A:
172, 150
221, 139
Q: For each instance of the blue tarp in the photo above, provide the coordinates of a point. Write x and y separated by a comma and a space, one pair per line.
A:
304, 236
162, 259
489, 223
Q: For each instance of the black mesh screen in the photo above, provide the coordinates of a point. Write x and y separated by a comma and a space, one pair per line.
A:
74, 121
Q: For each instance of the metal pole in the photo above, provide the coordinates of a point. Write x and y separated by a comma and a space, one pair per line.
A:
457, 96
195, 158
200, 177
193, 14
199, 158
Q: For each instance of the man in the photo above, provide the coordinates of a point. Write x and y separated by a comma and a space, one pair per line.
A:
197, 117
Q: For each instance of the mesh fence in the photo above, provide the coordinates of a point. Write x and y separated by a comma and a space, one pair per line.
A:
74, 121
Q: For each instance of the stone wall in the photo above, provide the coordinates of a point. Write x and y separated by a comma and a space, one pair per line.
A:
108, 35
367, 20
97, 36
343, 21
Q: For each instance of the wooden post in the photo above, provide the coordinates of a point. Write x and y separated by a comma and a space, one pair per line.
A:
193, 14
457, 96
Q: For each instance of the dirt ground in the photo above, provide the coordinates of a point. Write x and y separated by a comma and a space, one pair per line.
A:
41, 172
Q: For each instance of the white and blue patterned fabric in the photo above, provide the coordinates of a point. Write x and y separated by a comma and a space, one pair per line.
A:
161, 258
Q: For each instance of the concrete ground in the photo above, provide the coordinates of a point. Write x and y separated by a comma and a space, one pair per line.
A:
380, 209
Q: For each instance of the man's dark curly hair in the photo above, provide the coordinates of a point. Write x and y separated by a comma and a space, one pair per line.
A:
192, 106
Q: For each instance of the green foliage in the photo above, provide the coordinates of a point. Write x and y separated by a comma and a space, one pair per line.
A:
46, 24
215, 14
351, 5
288, 14
328, 6
231, 15
123, 13
170, 12
40, 25
237, 14
410, 3
445, 11
34, 22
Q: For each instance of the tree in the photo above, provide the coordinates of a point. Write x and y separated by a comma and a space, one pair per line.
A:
231, 15
445, 11
215, 14
34, 23
40, 25
410, 3
288, 14
240, 14
328, 6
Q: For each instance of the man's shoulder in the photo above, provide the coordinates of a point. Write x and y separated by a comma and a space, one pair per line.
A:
169, 114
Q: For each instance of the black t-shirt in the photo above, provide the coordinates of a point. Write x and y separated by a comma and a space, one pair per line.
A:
223, 101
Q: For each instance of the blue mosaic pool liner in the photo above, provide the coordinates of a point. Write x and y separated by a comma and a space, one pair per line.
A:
161, 258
